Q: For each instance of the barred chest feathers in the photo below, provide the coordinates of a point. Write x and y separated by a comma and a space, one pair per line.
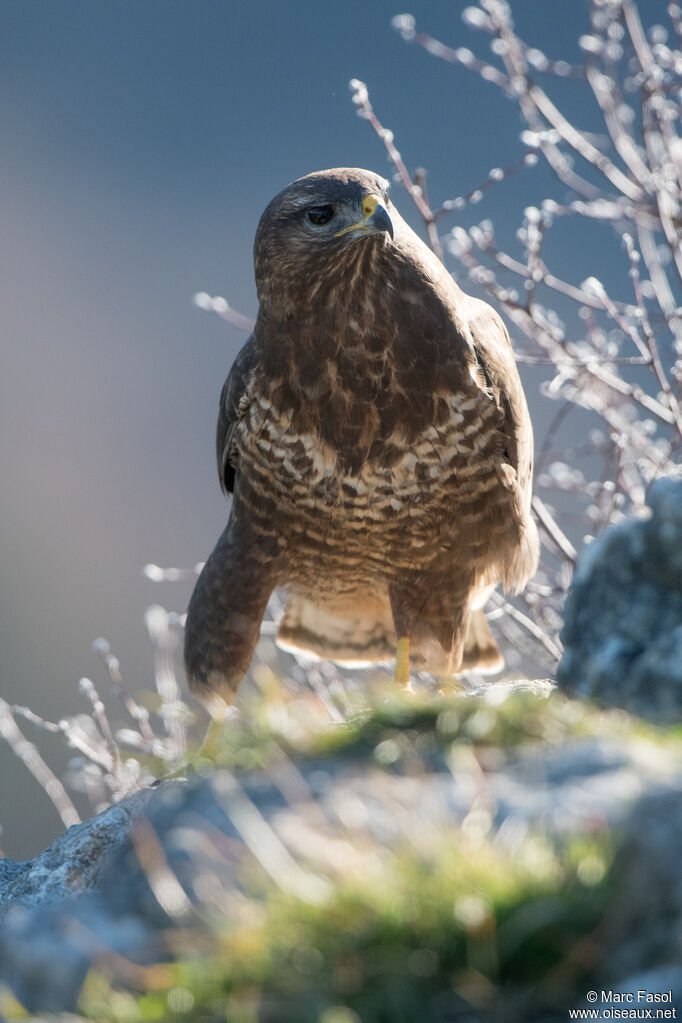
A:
443, 469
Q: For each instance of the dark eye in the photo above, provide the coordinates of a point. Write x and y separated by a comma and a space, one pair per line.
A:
320, 215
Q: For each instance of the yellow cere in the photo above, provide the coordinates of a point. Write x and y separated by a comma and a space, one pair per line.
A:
369, 205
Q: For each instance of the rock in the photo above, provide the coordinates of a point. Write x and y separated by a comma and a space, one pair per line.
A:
43, 969
623, 614
74, 862
303, 824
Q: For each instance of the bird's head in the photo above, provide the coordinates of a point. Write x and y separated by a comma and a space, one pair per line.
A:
318, 230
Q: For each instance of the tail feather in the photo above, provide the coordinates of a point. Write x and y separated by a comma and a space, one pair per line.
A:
481, 652
365, 634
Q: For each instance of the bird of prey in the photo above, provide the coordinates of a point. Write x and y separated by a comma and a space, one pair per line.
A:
375, 438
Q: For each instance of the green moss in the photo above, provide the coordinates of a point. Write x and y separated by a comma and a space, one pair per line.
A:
471, 919
393, 727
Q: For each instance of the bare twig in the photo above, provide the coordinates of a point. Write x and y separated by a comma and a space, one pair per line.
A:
221, 307
553, 530
30, 756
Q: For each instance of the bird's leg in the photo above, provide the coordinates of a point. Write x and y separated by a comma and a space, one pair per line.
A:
401, 675
449, 678
404, 598
223, 622
210, 746
433, 616
451, 637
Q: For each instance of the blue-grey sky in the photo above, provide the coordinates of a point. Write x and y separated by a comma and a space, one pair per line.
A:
140, 141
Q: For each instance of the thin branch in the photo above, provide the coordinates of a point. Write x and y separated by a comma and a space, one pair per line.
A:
138, 713
529, 625
564, 410
553, 530
474, 195
220, 306
582, 146
102, 721
30, 756
360, 98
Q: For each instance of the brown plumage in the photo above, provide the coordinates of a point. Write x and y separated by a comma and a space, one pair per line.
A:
375, 438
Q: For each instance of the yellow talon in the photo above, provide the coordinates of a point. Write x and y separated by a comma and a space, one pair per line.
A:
210, 747
448, 685
402, 664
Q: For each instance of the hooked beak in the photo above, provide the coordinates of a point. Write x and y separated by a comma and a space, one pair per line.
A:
375, 218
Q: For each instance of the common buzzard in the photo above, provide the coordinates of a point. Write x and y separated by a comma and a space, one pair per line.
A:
374, 435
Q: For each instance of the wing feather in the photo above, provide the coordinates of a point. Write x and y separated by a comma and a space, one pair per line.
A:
235, 400
496, 357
